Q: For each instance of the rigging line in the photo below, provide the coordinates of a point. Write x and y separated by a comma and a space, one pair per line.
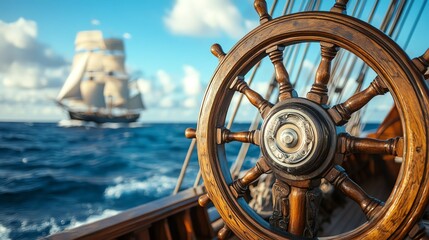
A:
415, 24
286, 7
197, 179
185, 166
403, 20
311, 6
388, 16
336, 75
296, 48
397, 17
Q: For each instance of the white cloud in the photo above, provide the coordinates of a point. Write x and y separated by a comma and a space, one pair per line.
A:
191, 81
166, 102
209, 17
19, 34
165, 80
127, 35
145, 86
25, 62
95, 22
190, 103
30, 73
161, 91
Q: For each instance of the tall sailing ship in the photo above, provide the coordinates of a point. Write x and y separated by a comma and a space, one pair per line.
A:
98, 87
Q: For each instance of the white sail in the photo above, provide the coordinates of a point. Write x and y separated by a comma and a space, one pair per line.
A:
95, 62
89, 40
136, 102
116, 91
114, 44
92, 93
71, 86
114, 63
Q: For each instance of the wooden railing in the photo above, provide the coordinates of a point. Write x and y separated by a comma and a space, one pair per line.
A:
174, 217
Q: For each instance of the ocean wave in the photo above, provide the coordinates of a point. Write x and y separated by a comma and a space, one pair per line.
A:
4, 232
155, 186
105, 214
75, 123
52, 226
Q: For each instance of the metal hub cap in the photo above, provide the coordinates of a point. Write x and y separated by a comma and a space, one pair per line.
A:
298, 139
290, 137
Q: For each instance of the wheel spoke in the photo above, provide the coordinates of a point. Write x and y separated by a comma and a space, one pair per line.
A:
319, 90
340, 6
255, 98
240, 185
204, 200
190, 133
297, 219
225, 135
418, 232
285, 87
261, 9
341, 113
217, 51
350, 144
224, 232
422, 62
339, 178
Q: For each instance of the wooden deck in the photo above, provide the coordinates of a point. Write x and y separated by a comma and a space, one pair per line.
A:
173, 217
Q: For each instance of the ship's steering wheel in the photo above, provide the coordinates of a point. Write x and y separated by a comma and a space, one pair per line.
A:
298, 139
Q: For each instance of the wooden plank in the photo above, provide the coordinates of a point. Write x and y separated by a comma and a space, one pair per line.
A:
135, 218
202, 227
181, 226
161, 230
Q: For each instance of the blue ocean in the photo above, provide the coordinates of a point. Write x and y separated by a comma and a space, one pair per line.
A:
57, 176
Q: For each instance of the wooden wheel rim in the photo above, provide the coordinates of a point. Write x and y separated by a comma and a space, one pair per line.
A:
409, 196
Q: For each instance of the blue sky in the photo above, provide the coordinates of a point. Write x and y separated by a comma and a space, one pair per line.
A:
173, 62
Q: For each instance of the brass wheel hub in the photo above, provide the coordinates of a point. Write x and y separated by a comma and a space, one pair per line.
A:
297, 138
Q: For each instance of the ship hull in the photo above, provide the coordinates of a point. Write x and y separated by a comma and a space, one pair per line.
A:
104, 118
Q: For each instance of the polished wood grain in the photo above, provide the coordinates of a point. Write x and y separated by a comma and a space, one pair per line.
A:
319, 91
422, 62
190, 133
342, 112
217, 51
340, 6
349, 144
297, 211
261, 9
369, 205
225, 136
285, 87
240, 186
224, 232
204, 200
395, 72
254, 98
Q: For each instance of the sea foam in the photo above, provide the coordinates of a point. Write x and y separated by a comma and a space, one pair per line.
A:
156, 186
4, 232
105, 214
